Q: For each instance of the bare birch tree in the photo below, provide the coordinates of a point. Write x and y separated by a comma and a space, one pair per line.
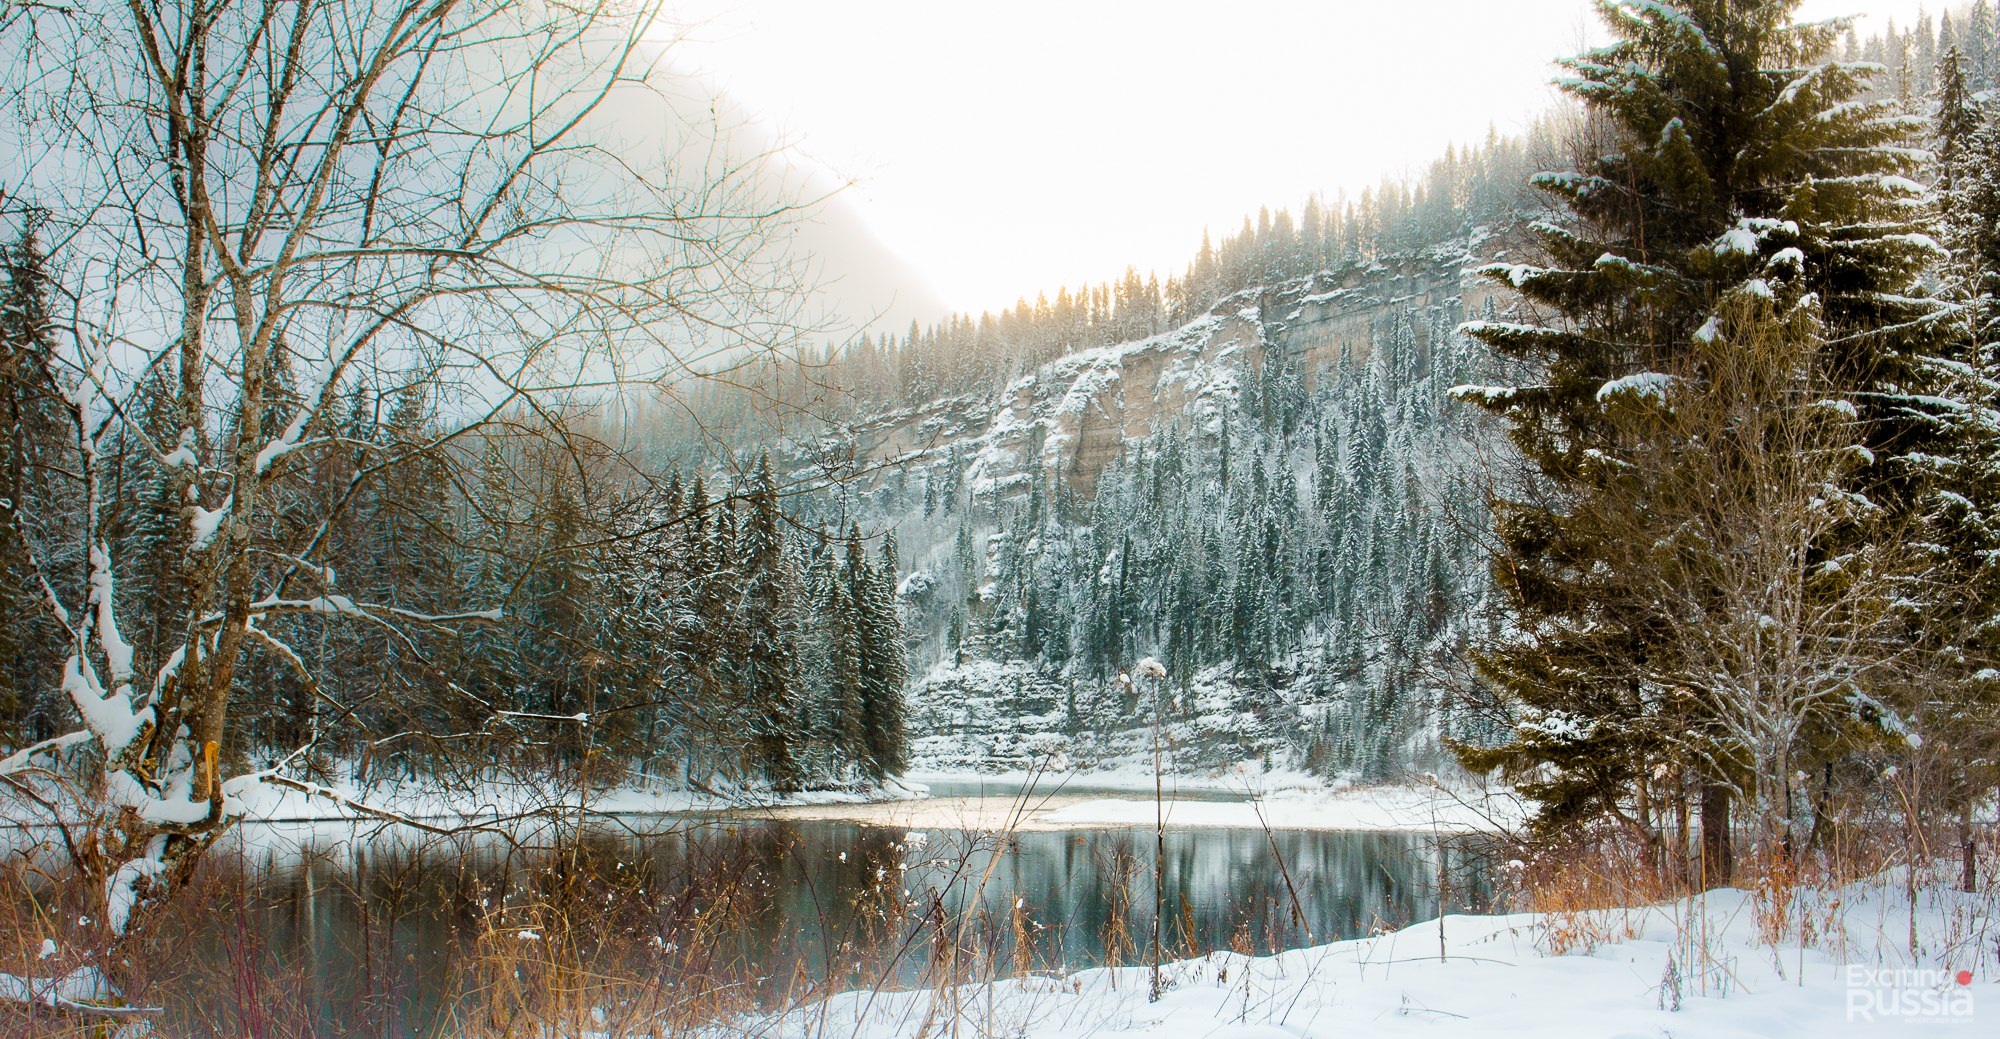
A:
1784, 618
313, 193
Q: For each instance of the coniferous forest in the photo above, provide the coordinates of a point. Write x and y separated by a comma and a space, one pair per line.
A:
389, 404
634, 612
716, 584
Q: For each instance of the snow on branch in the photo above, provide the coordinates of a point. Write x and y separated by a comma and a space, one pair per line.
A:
1640, 386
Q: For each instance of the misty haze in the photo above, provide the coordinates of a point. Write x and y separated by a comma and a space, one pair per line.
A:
689, 518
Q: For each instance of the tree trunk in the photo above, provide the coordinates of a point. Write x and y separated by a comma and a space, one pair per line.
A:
1683, 834
1644, 810
1968, 850
1717, 855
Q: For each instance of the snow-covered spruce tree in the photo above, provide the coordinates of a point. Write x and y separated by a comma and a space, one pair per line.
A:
769, 666
390, 547
1732, 154
1966, 188
1975, 41
1964, 730
31, 447
880, 672
842, 700
1955, 122
563, 603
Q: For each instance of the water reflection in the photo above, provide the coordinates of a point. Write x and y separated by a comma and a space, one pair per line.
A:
388, 936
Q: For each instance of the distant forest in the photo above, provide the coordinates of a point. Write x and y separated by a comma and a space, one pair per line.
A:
525, 592
711, 616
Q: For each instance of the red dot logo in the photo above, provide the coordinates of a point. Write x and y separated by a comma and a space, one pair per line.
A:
1965, 977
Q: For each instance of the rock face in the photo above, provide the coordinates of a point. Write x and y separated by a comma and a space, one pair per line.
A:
1074, 415
975, 707
1315, 319
992, 716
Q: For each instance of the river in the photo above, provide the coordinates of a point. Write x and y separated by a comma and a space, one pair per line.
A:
372, 931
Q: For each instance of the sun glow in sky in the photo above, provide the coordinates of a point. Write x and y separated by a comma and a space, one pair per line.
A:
1003, 149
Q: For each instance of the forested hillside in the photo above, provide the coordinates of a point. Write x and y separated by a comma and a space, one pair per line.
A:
420, 422
1253, 475
1250, 470
1292, 535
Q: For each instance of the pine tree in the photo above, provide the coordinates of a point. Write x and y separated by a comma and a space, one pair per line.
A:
1963, 178
844, 701
1742, 163
1976, 41
770, 660
30, 445
1966, 144
563, 607
881, 672
154, 532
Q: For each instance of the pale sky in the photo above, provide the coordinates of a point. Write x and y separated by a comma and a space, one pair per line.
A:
1004, 149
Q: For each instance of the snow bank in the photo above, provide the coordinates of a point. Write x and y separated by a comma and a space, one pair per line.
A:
1690, 968
1400, 808
499, 799
1094, 800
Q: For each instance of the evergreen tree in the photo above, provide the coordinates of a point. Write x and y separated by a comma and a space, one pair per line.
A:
563, 607
31, 428
1976, 41
846, 694
1963, 182
1743, 162
1961, 730
769, 665
880, 668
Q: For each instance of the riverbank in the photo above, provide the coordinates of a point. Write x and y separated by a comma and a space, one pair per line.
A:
1088, 801
1859, 960
927, 800
1399, 808
496, 799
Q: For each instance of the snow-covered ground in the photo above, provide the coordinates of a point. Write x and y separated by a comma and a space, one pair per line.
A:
1247, 797
1690, 968
500, 798
1046, 802
1245, 779
1353, 808
1241, 799
1049, 780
